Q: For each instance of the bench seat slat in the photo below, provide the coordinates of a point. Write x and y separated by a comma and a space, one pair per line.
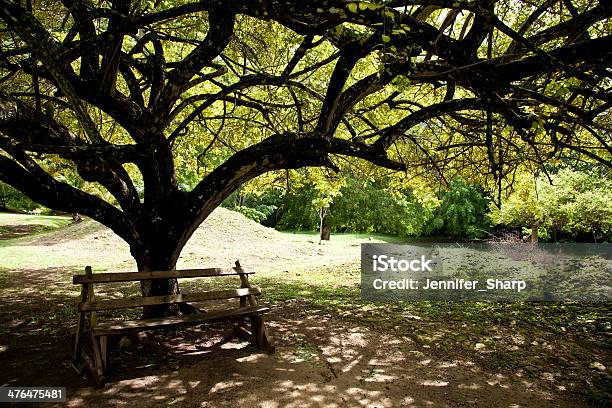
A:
137, 301
138, 276
125, 326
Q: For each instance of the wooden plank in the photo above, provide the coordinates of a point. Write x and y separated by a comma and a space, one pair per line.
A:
80, 328
99, 368
242, 333
104, 350
88, 364
138, 276
125, 326
262, 339
244, 283
266, 343
93, 318
138, 301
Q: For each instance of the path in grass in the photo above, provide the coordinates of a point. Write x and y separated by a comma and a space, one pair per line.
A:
333, 348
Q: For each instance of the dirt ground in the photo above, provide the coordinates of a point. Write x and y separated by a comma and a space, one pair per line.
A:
323, 358
320, 361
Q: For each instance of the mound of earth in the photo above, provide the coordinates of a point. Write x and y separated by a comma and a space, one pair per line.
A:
226, 236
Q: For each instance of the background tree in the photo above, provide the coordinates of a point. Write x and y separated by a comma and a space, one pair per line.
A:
523, 207
125, 92
574, 203
578, 204
370, 203
463, 212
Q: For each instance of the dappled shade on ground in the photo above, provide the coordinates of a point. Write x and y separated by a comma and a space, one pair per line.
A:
332, 348
321, 360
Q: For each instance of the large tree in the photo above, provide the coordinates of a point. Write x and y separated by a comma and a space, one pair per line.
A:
120, 91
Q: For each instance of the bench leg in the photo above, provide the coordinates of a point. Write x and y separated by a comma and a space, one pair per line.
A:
262, 340
104, 351
239, 332
76, 353
98, 365
88, 363
80, 330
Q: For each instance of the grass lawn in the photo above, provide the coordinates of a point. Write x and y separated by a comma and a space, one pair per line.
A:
16, 225
51, 221
348, 237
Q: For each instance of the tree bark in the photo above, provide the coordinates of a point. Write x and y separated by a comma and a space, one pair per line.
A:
534, 234
156, 257
322, 214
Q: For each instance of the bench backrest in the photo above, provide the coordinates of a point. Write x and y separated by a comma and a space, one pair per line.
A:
91, 304
139, 276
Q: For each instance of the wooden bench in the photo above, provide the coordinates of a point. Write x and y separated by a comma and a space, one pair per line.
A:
91, 343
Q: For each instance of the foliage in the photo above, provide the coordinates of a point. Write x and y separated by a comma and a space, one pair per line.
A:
374, 206
259, 213
147, 116
259, 203
575, 203
370, 206
578, 203
522, 207
14, 200
297, 211
463, 211
354, 205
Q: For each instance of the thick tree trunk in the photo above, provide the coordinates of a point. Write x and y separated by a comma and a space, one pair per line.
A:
157, 258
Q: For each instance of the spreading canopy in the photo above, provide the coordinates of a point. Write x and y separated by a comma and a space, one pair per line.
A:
125, 92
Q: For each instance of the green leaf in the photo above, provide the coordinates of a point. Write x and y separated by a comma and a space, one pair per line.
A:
352, 7
386, 38
369, 6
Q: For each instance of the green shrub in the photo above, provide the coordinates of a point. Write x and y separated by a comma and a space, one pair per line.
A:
463, 212
576, 205
14, 200
259, 213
